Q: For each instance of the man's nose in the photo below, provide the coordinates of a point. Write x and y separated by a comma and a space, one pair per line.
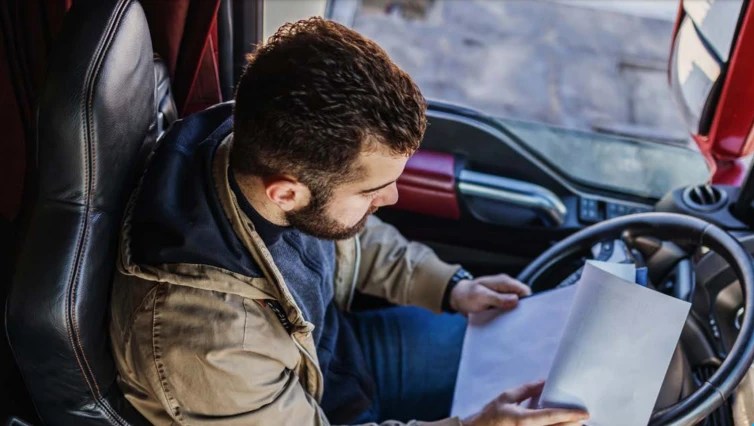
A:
389, 196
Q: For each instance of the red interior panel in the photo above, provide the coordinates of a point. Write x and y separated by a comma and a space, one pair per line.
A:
12, 149
27, 30
205, 88
428, 185
167, 21
184, 34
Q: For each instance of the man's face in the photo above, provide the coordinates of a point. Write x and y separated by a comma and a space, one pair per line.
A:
344, 213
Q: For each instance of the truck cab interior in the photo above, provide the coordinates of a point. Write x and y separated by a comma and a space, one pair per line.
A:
91, 86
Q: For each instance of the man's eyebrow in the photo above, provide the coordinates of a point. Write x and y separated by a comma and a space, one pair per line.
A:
376, 188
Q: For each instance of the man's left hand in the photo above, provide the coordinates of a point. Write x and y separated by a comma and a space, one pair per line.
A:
493, 291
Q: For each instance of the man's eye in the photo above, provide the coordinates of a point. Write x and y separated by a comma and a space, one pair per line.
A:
371, 194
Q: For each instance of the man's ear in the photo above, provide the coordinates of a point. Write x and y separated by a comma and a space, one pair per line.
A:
287, 193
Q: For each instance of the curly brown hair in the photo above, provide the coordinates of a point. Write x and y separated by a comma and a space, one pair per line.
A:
313, 97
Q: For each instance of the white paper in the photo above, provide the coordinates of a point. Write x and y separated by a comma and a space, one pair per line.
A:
615, 349
503, 351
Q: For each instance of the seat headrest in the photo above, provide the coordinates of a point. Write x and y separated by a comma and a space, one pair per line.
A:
97, 98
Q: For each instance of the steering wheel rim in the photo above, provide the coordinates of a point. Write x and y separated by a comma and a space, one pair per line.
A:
685, 229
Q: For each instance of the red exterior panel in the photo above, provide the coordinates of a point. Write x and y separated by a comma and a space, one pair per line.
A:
731, 132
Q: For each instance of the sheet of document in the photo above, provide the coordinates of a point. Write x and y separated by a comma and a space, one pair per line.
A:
502, 351
615, 349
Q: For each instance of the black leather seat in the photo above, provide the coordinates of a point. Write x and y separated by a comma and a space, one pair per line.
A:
96, 121
165, 109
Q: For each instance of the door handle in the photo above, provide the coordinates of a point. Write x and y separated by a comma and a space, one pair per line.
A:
515, 192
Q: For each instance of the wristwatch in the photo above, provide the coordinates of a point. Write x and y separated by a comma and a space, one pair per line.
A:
460, 275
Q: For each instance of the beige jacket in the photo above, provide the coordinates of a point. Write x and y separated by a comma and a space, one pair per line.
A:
196, 345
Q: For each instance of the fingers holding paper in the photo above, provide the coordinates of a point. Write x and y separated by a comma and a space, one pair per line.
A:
506, 410
522, 393
489, 292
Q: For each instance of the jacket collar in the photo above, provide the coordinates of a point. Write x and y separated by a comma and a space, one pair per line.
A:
245, 230
270, 232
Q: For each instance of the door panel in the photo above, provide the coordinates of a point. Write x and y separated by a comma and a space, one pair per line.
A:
480, 198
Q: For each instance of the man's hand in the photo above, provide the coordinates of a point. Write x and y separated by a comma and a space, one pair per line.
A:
493, 291
506, 411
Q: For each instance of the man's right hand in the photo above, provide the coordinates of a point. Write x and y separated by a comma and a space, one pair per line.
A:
506, 410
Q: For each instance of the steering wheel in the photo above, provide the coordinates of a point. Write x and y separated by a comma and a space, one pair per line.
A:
687, 230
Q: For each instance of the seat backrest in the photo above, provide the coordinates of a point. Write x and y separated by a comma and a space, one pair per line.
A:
96, 118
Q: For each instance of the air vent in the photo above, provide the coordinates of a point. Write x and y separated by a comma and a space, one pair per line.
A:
704, 198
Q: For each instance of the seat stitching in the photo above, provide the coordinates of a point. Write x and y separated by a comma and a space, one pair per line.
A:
82, 241
75, 338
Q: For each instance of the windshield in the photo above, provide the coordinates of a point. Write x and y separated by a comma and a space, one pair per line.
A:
621, 164
596, 67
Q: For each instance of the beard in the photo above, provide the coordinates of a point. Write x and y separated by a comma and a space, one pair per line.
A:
314, 220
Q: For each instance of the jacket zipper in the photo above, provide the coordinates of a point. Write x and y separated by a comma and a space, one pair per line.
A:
357, 265
318, 387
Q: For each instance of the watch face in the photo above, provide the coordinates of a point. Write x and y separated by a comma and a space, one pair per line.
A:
463, 274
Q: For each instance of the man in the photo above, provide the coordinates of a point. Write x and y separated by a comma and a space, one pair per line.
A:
243, 245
